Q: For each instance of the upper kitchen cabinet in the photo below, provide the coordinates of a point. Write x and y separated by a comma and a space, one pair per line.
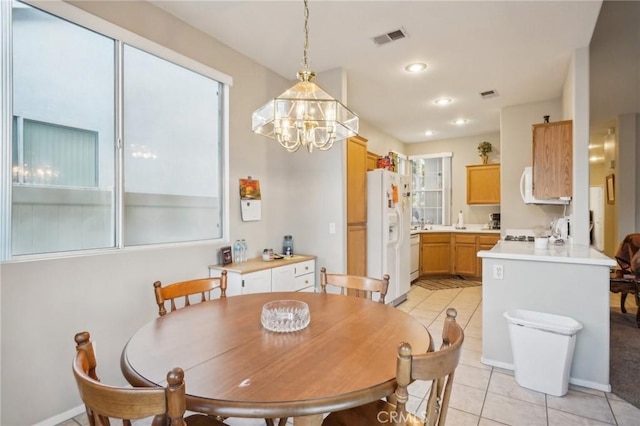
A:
356, 180
552, 159
483, 184
372, 161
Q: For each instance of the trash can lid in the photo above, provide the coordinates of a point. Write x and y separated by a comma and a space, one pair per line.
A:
543, 321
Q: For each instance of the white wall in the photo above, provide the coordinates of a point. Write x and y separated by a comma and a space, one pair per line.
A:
614, 61
516, 150
44, 303
379, 142
578, 93
465, 152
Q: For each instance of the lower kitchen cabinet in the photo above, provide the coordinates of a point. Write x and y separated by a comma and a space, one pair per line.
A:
464, 257
435, 253
357, 250
485, 242
258, 276
443, 253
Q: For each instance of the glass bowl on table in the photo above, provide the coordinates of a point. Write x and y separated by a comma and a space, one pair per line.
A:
285, 316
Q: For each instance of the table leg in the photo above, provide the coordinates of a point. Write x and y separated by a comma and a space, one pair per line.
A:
313, 420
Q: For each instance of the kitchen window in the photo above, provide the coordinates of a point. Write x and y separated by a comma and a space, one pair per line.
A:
431, 189
107, 145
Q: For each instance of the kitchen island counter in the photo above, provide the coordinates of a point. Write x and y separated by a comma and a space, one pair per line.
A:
565, 253
569, 280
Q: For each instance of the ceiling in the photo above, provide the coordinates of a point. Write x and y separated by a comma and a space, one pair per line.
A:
520, 49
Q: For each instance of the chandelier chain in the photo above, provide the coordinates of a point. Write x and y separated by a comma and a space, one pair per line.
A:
305, 56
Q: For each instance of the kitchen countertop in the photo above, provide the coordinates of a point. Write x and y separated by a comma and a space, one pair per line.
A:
257, 264
566, 253
470, 228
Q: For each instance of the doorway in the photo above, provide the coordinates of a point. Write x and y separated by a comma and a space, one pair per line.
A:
596, 216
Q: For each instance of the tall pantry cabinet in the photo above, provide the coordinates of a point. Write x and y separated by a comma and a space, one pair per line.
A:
357, 206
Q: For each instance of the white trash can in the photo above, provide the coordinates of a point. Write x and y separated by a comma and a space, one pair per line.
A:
542, 346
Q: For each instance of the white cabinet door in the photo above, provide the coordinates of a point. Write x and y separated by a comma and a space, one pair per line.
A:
234, 281
283, 278
256, 282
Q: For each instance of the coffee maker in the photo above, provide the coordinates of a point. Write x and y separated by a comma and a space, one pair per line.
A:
495, 221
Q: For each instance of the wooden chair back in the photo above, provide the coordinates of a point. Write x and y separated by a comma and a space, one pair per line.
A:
103, 401
438, 367
184, 289
355, 285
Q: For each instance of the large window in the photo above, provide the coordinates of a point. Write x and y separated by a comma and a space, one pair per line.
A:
431, 190
109, 145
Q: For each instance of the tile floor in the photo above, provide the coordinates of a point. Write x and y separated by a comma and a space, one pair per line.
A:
483, 395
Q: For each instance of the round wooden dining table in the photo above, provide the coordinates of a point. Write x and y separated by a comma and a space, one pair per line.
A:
234, 367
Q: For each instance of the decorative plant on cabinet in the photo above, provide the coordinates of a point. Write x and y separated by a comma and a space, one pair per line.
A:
484, 148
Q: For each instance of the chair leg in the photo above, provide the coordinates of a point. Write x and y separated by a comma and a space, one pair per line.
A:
637, 297
623, 298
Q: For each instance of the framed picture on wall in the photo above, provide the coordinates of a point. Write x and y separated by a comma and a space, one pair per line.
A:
611, 193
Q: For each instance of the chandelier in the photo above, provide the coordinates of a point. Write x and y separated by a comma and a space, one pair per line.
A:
305, 115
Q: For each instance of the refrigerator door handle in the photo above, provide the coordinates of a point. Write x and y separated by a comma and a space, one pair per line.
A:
401, 225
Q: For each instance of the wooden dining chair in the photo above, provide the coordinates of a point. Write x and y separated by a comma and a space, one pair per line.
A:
355, 285
437, 367
202, 286
102, 402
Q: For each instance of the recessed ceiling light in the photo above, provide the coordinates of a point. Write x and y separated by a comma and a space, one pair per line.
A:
442, 101
416, 67
460, 121
429, 133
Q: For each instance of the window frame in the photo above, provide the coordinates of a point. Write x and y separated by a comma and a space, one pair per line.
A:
445, 191
121, 37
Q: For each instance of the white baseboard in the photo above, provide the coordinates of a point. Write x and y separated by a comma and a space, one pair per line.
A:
59, 418
590, 384
578, 382
499, 364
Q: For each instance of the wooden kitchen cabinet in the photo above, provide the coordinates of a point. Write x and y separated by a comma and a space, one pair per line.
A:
483, 184
485, 242
464, 254
553, 159
357, 250
357, 206
356, 180
435, 253
372, 161
456, 253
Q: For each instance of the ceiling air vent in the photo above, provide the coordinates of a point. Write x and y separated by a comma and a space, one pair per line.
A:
488, 94
398, 34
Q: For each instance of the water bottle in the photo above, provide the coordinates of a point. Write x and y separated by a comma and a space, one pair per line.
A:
236, 251
243, 250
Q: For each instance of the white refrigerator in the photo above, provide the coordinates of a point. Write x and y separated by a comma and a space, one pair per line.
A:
388, 229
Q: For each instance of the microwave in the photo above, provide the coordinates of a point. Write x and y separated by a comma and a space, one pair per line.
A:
526, 190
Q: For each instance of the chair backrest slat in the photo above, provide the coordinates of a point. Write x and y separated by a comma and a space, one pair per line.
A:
184, 289
355, 285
